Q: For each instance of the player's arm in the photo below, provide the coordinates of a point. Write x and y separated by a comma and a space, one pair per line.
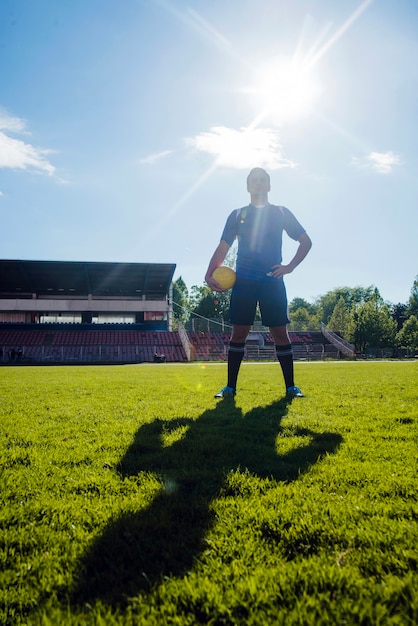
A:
217, 259
305, 244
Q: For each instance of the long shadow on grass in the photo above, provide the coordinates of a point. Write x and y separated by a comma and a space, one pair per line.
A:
141, 547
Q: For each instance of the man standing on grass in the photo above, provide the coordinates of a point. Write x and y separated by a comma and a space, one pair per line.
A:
259, 228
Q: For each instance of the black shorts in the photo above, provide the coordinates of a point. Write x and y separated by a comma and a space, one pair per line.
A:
269, 294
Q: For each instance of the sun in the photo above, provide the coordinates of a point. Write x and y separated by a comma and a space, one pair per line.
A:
284, 89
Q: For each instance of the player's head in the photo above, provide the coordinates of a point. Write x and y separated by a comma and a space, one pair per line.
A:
258, 179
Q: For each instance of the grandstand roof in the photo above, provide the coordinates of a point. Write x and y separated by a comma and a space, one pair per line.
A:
53, 278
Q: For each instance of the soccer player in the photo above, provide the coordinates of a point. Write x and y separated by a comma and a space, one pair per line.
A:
259, 269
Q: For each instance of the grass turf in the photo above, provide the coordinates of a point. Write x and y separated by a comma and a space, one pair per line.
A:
130, 496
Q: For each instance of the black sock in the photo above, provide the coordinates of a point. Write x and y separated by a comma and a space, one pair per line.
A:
235, 356
285, 358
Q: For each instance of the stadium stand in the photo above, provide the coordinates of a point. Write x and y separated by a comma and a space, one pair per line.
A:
35, 295
209, 346
58, 344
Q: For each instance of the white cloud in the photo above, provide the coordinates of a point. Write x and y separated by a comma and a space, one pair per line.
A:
17, 154
13, 124
380, 162
154, 158
243, 148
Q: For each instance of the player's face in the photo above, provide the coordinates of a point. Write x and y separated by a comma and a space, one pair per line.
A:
258, 182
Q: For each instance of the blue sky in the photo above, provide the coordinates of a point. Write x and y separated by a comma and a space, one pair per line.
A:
128, 127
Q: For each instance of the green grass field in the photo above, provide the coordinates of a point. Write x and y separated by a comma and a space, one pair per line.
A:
129, 495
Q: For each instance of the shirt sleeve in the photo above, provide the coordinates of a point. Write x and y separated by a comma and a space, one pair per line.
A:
230, 231
291, 225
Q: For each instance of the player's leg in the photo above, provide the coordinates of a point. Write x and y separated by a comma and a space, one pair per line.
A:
273, 306
236, 353
242, 311
284, 353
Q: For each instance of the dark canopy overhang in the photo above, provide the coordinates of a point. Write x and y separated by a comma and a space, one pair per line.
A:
76, 278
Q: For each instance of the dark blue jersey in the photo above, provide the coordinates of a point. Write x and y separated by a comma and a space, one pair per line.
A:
259, 232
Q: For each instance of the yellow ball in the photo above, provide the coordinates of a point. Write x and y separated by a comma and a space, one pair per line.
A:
225, 276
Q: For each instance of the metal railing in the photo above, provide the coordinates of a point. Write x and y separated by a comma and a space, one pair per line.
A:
343, 346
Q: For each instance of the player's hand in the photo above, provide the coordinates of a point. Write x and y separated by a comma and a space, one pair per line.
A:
211, 282
277, 271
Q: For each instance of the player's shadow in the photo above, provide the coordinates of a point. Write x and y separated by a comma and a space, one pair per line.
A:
140, 548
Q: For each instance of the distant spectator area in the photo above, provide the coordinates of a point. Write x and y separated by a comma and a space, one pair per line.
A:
87, 312
39, 292
61, 343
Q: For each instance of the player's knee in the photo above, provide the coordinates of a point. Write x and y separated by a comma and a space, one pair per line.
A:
280, 334
240, 333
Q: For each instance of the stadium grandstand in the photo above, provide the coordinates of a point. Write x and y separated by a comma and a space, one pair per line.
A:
61, 312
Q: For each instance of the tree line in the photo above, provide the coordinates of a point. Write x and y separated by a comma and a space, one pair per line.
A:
358, 314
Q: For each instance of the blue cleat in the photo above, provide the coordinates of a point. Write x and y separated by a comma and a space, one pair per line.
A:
294, 392
226, 392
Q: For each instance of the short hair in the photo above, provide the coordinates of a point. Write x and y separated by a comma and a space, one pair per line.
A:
258, 169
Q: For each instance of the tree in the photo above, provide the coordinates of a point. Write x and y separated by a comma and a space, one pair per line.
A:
400, 314
341, 320
301, 303
413, 299
373, 325
303, 315
353, 297
407, 337
209, 304
302, 320
180, 301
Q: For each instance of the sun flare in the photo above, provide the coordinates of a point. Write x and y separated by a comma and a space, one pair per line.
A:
284, 90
